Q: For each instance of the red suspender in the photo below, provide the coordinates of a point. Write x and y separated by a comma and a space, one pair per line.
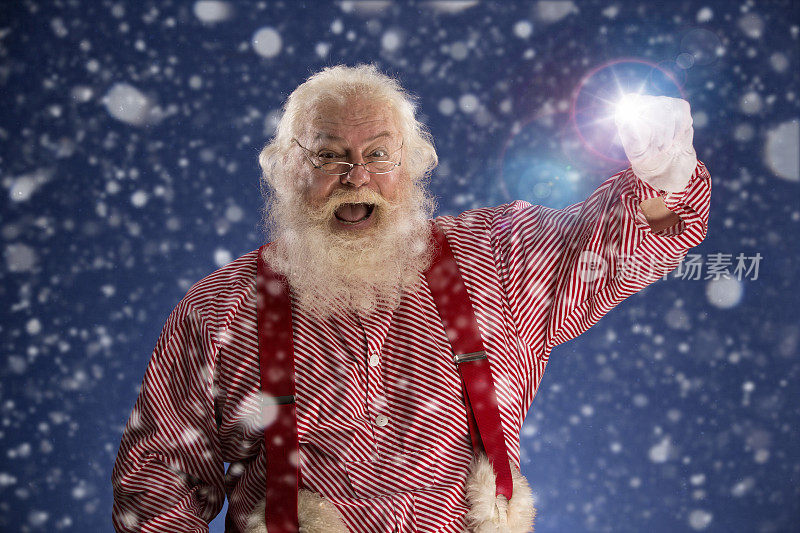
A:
458, 317
276, 357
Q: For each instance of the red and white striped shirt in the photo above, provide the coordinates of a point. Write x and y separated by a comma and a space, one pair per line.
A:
525, 268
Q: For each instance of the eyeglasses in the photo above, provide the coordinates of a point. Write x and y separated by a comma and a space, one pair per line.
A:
340, 168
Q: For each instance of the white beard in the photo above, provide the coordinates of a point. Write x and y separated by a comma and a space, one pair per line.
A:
338, 272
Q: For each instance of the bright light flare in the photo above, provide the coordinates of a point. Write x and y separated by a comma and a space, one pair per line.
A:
604, 105
628, 109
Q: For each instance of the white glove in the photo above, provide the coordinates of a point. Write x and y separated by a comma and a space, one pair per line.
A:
656, 133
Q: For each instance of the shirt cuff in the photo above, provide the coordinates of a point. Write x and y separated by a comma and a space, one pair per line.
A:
690, 204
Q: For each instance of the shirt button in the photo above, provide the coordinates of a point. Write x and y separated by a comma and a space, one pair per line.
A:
374, 360
381, 420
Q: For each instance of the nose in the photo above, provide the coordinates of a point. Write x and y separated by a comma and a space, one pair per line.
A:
357, 177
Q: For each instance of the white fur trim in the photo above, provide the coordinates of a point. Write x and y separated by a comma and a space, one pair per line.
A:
315, 514
494, 514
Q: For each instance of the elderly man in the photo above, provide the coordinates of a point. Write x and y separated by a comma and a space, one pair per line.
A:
385, 434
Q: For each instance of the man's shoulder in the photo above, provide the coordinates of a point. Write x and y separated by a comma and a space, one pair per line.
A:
226, 285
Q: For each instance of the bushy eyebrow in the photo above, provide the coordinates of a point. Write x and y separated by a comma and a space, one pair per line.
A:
329, 137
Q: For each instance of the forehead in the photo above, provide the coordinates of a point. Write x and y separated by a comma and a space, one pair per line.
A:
354, 121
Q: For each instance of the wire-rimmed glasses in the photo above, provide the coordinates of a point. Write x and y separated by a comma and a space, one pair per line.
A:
340, 168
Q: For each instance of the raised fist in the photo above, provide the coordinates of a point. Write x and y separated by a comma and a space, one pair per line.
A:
656, 133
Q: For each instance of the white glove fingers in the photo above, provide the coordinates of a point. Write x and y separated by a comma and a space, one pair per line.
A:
636, 139
685, 140
657, 135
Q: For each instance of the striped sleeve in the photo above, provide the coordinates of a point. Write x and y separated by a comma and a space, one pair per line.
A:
563, 269
168, 474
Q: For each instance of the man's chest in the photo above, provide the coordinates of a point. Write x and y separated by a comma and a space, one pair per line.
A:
377, 386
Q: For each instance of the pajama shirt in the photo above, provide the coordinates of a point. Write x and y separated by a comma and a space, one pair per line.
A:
381, 419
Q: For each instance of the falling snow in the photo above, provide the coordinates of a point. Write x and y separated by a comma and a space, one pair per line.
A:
211, 11
267, 42
129, 171
782, 153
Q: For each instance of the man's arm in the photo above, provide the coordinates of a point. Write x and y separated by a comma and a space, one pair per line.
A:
631, 251
563, 269
657, 135
168, 475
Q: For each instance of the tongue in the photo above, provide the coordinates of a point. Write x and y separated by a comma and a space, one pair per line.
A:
352, 212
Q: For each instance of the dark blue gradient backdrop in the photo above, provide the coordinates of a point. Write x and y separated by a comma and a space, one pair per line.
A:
129, 134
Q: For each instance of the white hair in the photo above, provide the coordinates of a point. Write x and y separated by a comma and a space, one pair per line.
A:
337, 85
333, 273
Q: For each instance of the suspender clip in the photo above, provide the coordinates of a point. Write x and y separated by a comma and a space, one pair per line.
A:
467, 357
278, 400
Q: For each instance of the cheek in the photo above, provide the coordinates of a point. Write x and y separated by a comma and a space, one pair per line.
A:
393, 185
318, 188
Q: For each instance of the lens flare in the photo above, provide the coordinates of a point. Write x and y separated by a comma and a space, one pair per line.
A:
628, 109
606, 96
553, 157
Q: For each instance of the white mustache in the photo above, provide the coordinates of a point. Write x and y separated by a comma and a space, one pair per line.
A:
341, 197
338, 272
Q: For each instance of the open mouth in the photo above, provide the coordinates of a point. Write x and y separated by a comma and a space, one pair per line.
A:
354, 213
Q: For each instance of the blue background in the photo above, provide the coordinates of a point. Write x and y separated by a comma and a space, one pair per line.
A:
677, 412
